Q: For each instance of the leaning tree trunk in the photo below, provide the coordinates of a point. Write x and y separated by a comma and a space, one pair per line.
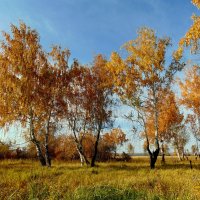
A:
153, 158
82, 155
79, 148
38, 150
46, 145
197, 151
36, 142
163, 153
183, 155
154, 155
39, 154
95, 153
178, 154
81, 158
47, 156
96, 147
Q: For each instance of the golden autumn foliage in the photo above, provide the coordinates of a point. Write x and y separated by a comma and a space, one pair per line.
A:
87, 100
169, 117
190, 89
63, 147
34, 81
190, 98
139, 78
196, 3
102, 101
20, 63
143, 64
40, 90
192, 36
142, 74
190, 93
102, 98
193, 121
116, 136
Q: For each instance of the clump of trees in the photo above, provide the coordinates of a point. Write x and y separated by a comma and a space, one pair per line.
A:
41, 90
63, 147
5, 151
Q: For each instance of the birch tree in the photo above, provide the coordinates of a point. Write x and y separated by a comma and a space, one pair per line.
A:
32, 85
169, 117
139, 78
77, 101
100, 108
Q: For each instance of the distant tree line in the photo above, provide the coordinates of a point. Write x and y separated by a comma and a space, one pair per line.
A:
63, 147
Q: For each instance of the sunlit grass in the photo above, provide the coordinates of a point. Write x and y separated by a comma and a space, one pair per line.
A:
115, 180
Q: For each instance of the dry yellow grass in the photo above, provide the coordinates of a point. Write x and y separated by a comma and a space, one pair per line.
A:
114, 180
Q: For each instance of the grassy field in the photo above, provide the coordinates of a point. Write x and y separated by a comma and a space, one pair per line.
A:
25, 179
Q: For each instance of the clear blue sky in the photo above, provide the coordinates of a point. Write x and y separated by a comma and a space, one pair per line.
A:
88, 27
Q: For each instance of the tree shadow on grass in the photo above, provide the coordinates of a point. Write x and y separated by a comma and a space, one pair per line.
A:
124, 166
127, 166
179, 166
166, 166
71, 168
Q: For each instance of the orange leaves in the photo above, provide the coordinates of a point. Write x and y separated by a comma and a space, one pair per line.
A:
178, 53
143, 70
21, 48
140, 77
168, 118
60, 57
100, 72
116, 137
89, 96
19, 54
192, 36
116, 64
33, 83
143, 65
117, 71
146, 50
190, 89
193, 121
169, 113
196, 3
